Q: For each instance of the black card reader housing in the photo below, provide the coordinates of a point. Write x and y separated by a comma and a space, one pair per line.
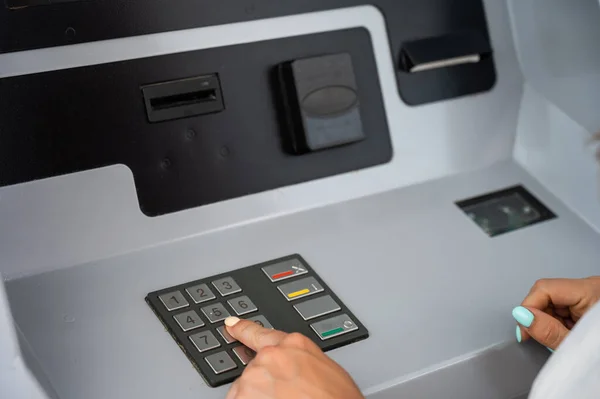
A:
442, 67
321, 102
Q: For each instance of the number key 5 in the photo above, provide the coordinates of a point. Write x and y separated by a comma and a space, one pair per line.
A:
215, 313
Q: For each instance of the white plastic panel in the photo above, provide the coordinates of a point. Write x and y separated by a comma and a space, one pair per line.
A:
557, 151
557, 44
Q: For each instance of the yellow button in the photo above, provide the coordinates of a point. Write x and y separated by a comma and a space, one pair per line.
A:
298, 293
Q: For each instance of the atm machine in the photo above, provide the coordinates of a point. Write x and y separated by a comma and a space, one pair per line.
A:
387, 177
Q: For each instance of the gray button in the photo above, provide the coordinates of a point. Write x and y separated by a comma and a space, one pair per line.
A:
317, 307
215, 312
261, 321
242, 305
244, 354
226, 336
300, 288
188, 320
200, 293
226, 286
173, 300
333, 327
284, 270
204, 341
220, 362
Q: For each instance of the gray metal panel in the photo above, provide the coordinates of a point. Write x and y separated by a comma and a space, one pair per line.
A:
21, 376
500, 372
440, 289
34, 367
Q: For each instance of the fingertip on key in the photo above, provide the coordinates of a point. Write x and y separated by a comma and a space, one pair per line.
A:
231, 321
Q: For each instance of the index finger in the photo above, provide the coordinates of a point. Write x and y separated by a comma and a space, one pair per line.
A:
253, 335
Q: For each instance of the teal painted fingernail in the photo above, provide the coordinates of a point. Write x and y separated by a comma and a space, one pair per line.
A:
550, 350
523, 316
518, 334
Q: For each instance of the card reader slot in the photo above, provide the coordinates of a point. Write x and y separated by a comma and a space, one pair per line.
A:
183, 98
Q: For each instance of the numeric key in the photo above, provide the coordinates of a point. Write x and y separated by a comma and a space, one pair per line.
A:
173, 300
242, 305
261, 321
204, 341
244, 354
188, 320
215, 313
226, 286
200, 293
225, 335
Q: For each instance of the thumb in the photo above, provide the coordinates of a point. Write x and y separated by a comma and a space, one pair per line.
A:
253, 335
542, 327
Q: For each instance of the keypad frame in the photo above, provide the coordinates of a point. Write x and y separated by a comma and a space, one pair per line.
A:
271, 304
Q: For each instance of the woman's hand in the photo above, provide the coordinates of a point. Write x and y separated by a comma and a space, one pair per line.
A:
552, 308
287, 366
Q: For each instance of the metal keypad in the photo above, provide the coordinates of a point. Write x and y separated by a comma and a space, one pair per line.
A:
285, 294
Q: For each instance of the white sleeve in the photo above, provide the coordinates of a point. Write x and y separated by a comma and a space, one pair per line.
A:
573, 371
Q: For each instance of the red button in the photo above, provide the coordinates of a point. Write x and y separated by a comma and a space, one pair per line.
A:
282, 275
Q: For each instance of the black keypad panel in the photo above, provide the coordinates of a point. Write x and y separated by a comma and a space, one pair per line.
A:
285, 294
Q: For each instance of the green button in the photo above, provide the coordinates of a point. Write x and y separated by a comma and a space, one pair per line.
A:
334, 327
332, 332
